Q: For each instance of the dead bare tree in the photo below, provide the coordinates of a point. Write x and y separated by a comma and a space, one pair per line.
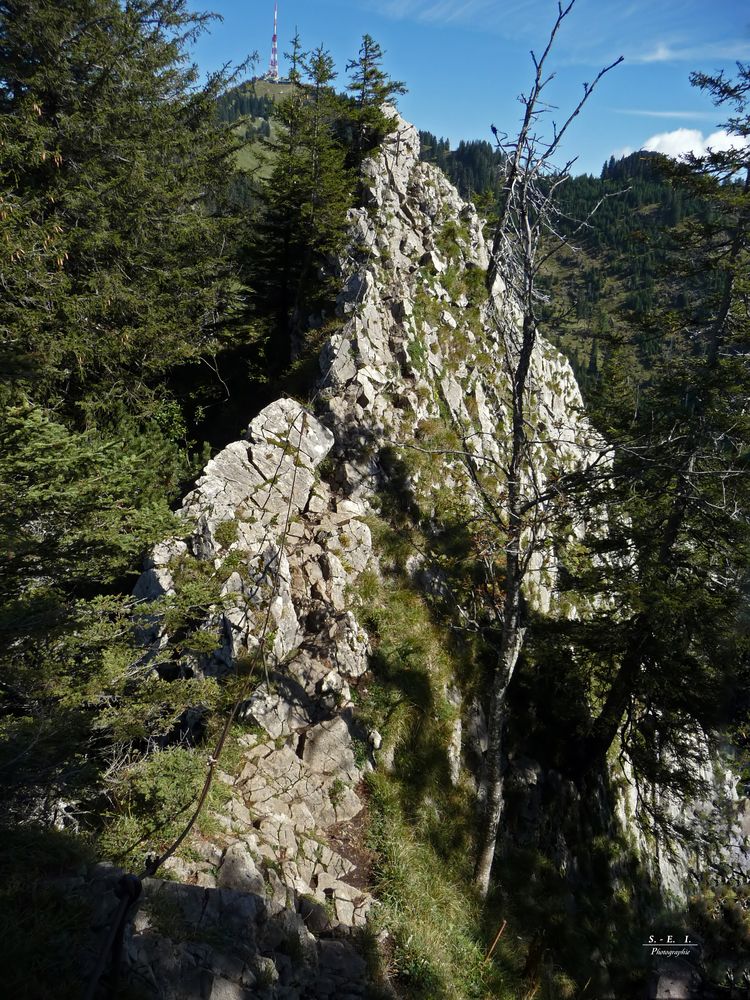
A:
527, 234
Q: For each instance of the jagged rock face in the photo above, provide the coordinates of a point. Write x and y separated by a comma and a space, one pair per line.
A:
422, 348
717, 819
418, 351
247, 502
228, 943
418, 346
292, 548
283, 804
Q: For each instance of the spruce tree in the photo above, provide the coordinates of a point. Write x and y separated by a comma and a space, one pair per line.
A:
304, 204
119, 268
112, 156
370, 88
674, 560
296, 59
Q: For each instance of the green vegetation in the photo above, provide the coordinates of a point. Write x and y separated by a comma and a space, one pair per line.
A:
370, 88
135, 287
422, 829
303, 207
665, 655
132, 300
166, 255
303, 144
151, 801
475, 167
601, 292
436, 923
121, 271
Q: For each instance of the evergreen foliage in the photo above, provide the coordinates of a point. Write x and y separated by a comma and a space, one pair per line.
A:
119, 269
302, 216
475, 166
315, 141
370, 88
131, 265
688, 492
243, 102
668, 651
295, 58
620, 267
135, 252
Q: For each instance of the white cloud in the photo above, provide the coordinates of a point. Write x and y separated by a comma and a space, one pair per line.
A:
691, 140
661, 52
674, 115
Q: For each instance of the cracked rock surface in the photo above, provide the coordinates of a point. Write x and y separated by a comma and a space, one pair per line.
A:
267, 907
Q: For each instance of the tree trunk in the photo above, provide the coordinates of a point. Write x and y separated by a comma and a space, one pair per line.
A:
524, 215
492, 778
607, 723
512, 632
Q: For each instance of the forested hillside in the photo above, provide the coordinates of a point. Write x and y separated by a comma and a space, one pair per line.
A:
604, 288
334, 621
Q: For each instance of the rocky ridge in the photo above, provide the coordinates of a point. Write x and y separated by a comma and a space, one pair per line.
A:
282, 517
422, 349
415, 349
418, 348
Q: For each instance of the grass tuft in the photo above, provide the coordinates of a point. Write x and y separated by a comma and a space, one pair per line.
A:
421, 827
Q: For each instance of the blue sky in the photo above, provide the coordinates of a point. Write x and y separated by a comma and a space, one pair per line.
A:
466, 61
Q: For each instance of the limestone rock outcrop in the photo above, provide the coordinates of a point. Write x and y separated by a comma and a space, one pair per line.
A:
227, 943
281, 518
416, 354
421, 351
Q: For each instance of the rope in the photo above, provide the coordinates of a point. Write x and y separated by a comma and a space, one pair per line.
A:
130, 886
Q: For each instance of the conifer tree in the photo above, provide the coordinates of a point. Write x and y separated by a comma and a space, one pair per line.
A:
118, 268
371, 88
296, 59
305, 200
110, 156
680, 509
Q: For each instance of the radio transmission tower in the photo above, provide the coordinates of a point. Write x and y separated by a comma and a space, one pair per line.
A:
273, 69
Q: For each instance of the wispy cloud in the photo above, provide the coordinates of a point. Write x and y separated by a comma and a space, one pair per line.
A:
448, 11
688, 116
660, 53
670, 31
442, 11
663, 52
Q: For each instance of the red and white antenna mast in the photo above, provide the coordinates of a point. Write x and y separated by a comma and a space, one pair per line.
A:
273, 69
